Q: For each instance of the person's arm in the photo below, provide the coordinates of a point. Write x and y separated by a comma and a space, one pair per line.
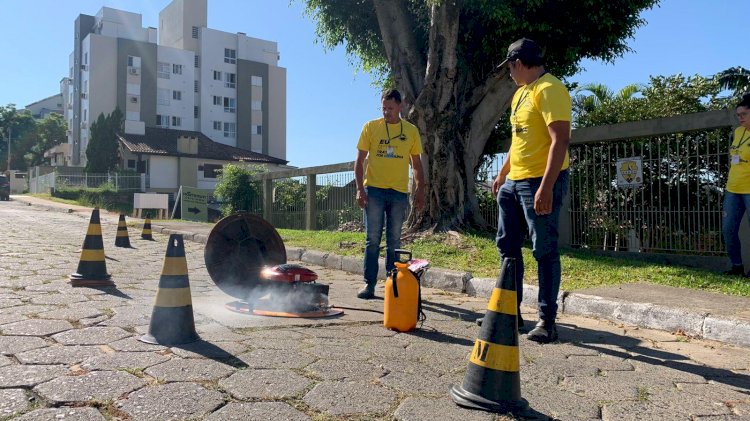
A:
559, 132
359, 177
416, 165
500, 179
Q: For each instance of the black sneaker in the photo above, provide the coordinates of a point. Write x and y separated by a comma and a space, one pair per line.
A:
544, 332
736, 270
367, 293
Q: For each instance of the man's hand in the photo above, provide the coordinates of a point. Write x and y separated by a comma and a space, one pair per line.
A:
543, 201
419, 198
499, 181
361, 198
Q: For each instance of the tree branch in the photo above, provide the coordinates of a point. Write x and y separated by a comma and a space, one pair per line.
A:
401, 46
487, 110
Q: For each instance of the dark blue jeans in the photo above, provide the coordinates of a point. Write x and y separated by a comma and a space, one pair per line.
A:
385, 208
516, 213
735, 207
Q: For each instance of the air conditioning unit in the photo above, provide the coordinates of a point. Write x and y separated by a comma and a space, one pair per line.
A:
83, 95
134, 99
84, 125
84, 67
133, 71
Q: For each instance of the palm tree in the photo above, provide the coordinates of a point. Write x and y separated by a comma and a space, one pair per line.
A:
736, 79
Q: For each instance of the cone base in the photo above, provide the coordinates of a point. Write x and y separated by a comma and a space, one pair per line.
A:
126, 246
150, 339
149, 238
469, 400
78, 280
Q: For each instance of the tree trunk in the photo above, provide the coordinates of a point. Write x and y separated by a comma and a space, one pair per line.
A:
454, 114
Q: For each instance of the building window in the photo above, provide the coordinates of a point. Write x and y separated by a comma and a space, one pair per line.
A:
131, 163
86, 58
195, 86
196, 112
217, 125
230, 130
230, 105
176, 121
217, 100
256, 105
162, 70
177, 69
130, 61
162, 96
230, 80
211, 170
256, 80
230, 56
162, 120
217, 75
196, 31
257, 129
177, 95
197, 61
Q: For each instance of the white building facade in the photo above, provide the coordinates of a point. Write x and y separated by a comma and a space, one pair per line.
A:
227, 86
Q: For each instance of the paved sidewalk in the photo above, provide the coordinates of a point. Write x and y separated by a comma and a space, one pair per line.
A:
691, 312
72, 353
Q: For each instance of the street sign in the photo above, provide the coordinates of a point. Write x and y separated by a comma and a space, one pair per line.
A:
193, 204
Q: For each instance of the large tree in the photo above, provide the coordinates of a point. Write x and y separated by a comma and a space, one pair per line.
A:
20, 124
443, 55
101, 152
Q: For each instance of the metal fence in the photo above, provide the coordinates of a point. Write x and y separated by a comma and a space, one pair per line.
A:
677, 209
112, 181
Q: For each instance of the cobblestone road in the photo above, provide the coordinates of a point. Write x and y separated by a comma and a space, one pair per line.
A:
72, 353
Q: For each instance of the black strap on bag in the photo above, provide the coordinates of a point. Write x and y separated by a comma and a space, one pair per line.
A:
394, 273
421, 316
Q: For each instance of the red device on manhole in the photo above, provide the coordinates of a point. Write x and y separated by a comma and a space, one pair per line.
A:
246, 258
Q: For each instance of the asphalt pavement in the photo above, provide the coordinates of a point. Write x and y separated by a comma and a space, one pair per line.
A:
73, 353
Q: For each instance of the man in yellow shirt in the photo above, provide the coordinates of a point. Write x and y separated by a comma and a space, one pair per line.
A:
389, 144
533, 181
737, 193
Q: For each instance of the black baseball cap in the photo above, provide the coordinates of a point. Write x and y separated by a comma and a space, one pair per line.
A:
526, 50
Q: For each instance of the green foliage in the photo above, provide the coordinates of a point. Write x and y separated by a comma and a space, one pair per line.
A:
22, 133
238, 189
103, 147
105, 196
736, 79
48, 132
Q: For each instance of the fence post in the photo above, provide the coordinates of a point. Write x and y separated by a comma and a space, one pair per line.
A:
267, 198
143, 183
117, 184
310, 211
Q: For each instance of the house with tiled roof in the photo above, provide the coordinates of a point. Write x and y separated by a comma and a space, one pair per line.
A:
172, 158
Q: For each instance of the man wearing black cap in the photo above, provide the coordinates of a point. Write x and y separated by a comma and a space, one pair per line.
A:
534, 178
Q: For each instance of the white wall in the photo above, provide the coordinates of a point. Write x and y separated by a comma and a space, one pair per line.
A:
101, 93
260, 50
184, 83
163, 172
121, 24
213, 44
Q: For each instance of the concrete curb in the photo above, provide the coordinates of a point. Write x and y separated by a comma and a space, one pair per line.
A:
648, 315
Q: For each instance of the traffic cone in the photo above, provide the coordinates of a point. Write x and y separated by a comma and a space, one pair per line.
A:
146, 233
172, 320
122, 239
492, 381
92, 268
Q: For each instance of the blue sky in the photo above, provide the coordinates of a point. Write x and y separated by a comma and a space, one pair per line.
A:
327, 101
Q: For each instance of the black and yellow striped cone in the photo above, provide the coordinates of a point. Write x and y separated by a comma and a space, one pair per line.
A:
492, 381
122, 239
146, 233
172, 320
92, 268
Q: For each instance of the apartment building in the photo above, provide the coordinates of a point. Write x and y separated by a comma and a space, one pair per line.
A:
186, 77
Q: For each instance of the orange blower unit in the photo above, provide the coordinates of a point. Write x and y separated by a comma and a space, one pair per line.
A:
403, 298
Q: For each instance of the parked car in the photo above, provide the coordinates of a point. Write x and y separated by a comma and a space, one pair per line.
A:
4, 187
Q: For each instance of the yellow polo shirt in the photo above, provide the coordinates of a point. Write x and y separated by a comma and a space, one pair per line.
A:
389, 153
739, 167
533, 108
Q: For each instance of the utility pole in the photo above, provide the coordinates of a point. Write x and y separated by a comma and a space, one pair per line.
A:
8, 151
